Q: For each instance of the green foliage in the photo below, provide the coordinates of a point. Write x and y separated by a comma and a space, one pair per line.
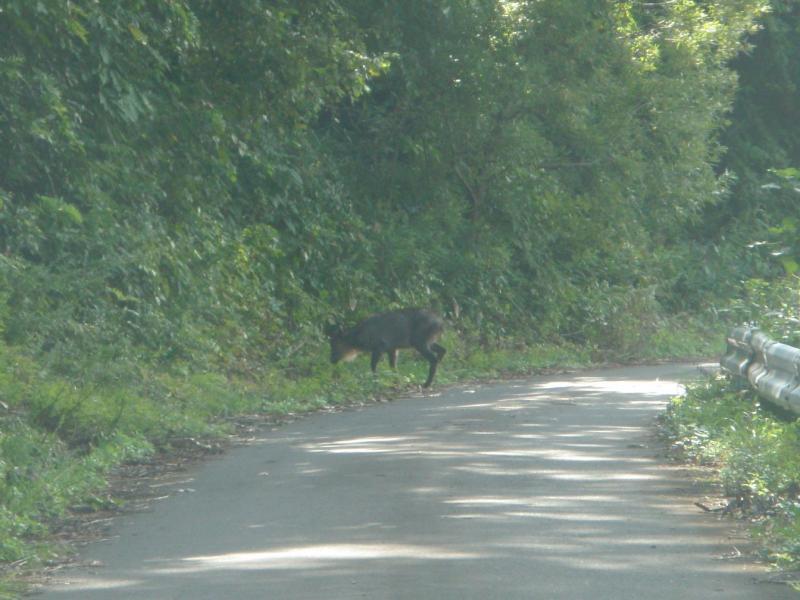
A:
761, 135
202, 183
784, 237
772, 306
40, 478
761, 144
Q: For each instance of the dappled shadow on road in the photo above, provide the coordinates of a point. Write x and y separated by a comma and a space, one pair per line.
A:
549, 489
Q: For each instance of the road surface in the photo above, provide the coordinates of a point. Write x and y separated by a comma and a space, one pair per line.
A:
551, 488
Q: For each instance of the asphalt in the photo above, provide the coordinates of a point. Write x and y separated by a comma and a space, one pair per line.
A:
549, 488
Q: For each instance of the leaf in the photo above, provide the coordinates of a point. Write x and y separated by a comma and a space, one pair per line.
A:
78, 30
789, 224
57, 206
138, 34
788, 173
790, 265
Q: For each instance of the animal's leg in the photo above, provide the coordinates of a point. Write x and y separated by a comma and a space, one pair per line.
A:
433, 360
376, 356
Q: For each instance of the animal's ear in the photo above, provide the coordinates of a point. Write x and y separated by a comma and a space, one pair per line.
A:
331, 329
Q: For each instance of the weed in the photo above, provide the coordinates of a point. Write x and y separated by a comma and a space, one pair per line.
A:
756, 453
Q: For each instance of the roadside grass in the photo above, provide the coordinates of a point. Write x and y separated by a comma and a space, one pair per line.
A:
61, 438
756, 451
11, 590
683, 337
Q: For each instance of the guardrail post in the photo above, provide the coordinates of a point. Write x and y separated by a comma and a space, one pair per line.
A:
739, 355
770, 367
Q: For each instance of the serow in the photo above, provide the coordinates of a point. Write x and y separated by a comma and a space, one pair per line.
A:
388, 332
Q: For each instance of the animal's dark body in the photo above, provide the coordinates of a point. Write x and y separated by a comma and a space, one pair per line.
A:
387, 332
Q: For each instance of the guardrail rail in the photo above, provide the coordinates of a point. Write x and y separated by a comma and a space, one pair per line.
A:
771, 368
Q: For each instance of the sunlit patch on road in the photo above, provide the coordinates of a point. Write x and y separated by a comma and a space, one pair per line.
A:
316, 556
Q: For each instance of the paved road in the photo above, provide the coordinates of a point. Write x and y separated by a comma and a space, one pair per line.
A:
552, 488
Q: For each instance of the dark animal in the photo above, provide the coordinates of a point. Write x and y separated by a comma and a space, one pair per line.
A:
387, 332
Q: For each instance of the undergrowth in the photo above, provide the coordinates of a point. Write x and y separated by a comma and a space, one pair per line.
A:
755, 450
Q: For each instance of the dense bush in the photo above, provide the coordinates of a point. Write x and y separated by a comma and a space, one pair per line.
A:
203, 183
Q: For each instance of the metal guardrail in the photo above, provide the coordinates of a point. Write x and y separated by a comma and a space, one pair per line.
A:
772, 368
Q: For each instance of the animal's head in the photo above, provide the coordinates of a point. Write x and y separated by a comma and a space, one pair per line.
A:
340, 348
